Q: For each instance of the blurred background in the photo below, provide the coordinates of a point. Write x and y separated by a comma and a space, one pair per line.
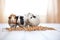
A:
48, 10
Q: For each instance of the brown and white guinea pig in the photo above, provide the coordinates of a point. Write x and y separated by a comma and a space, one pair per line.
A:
12, 21
21, 21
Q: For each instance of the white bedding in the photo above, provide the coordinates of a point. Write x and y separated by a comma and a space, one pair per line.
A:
33, 35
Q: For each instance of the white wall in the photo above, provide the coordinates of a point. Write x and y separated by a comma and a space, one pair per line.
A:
20, 7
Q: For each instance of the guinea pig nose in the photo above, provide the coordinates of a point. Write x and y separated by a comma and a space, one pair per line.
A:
34, 16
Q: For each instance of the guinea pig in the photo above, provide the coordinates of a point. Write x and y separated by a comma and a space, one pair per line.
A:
12, 21
33, 20
21, 21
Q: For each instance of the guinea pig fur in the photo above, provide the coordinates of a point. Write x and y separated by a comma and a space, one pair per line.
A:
33, 20
21, 21
12, 20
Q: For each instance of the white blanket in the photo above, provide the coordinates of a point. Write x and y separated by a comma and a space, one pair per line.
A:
33, 35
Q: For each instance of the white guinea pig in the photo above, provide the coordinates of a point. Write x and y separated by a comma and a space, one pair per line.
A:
34, 20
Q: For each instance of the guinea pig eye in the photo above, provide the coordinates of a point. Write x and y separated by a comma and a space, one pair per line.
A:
31, 17
34, 16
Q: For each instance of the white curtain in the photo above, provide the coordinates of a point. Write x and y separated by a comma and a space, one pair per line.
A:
52, 13
1, 10
46, 9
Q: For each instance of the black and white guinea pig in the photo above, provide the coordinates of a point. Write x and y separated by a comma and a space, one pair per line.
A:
21, 21
33, 20
12, 20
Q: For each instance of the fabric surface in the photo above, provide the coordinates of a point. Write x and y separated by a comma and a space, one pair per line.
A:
32, 35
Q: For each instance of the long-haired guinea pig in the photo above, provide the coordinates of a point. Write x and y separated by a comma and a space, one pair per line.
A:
12, 20
33, 20
21, 21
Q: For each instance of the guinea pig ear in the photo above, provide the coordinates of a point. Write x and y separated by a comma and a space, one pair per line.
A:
9, 17
16, 17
